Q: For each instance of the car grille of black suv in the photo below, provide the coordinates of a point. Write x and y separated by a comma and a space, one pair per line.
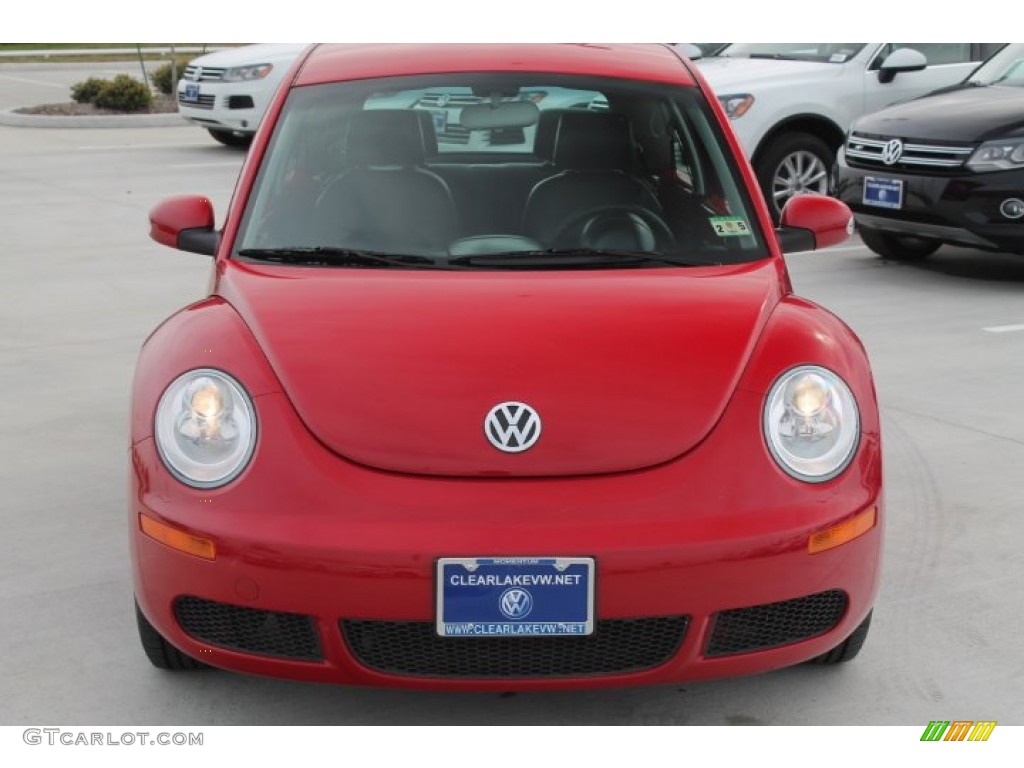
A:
773, 624
618, 646
266, 633
870, 151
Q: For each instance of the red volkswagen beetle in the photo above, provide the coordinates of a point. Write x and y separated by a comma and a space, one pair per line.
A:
501, 384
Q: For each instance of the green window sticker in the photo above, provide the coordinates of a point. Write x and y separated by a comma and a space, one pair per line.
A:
729, 226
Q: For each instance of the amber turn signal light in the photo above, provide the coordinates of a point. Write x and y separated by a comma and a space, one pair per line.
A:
178, 539
843, 532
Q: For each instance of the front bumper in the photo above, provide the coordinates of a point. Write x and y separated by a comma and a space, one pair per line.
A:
962, 209
226, 106
349, 552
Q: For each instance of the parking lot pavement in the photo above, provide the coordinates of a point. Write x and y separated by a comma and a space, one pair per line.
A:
82, 286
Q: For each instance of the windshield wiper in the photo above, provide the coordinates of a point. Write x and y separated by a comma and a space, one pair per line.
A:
339, 257
568, 258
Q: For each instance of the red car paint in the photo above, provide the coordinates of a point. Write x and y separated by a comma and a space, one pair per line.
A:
370, 463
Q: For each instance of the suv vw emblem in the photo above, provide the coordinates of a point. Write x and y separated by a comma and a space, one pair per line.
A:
892, 152
516, 603
512, 427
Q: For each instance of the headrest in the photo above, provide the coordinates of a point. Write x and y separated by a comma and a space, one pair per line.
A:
594, 141
386, 137
544, 138
429, 132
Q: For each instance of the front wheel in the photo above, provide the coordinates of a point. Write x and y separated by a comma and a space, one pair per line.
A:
848, 649
898, 247
793, 164
230, 138
160, 653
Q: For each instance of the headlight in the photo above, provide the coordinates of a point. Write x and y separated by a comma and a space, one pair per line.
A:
250, 72
205, 428
736, 104
998, 156
811, 423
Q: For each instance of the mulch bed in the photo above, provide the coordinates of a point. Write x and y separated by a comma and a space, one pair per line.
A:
161, 104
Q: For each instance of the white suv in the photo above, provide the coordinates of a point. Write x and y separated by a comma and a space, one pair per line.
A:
227, 92
791, 103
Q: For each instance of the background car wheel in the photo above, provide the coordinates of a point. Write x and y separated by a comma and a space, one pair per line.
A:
898, 247
161, 653
849, 648
792, 164
231, 139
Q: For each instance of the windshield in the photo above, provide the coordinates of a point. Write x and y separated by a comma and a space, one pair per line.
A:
1004, 68
501, 171
831, 53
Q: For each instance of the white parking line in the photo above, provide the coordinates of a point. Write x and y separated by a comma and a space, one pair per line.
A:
33, 82
222, 164
1004, 328
119, 147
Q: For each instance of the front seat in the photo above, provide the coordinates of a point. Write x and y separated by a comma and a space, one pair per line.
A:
596, 157
386, 200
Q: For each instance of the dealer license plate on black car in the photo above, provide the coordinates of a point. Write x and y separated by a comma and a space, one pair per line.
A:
191, 92
515, 596
883, 193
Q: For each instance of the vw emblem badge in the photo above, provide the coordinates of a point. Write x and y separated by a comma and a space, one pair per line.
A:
892, 152
1012, 208
512, 427
516, 603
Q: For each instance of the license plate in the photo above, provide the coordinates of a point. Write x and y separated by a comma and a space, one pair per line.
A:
515, 596
191, 92
883, 193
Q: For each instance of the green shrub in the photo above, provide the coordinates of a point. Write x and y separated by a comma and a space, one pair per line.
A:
86, 91
163, 77
124, 94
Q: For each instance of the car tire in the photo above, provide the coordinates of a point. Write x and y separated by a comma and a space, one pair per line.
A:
848, 649
792, 164
160, 653
231, 139
898, 247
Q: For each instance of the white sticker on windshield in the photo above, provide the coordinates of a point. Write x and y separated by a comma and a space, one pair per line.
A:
729, 226
837, 58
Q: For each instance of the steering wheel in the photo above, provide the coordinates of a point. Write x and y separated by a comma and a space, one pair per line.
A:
616, 227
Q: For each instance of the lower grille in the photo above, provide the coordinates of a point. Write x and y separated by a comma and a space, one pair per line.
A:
766, 626
266, 633
618, 646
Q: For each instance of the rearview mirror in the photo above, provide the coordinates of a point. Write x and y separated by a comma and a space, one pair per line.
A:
185, 223
810, 222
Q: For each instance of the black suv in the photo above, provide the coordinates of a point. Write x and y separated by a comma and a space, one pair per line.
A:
944, 168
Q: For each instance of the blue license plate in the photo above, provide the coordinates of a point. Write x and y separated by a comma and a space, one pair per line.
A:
883, 193
515, 596
191, 92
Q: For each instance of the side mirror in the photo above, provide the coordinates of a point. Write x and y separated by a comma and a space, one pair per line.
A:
810, 222
901, 60
185, 223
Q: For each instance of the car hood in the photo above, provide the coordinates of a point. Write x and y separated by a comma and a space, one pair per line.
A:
397, 369
726, 74
263, 53
970, 113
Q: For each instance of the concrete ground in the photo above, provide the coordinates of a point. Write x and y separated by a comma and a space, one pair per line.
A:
81, 286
